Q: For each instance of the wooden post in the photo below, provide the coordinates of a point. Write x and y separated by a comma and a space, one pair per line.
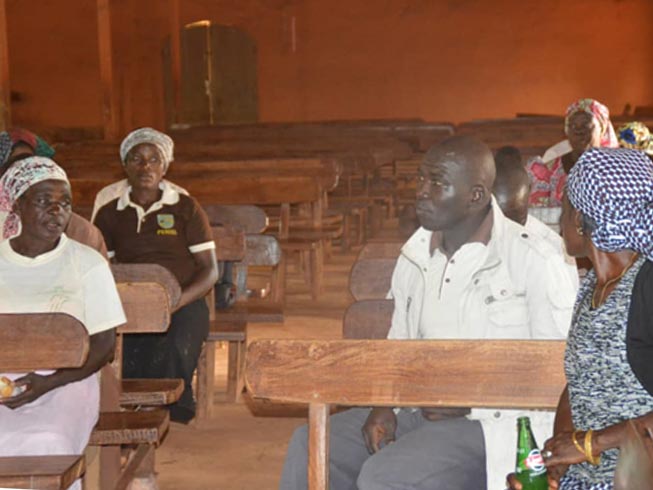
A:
109, 112
318, 446
175, 58
5, 89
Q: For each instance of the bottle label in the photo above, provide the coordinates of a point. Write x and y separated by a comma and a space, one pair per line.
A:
535, 462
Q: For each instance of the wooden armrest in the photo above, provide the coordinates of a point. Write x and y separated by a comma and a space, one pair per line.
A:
40, 472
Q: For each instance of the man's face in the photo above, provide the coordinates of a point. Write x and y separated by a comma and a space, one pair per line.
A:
45, 210
443, 192
144, 167
513, 204
583, 132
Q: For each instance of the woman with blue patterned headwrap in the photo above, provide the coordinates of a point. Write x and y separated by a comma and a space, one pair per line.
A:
608, 217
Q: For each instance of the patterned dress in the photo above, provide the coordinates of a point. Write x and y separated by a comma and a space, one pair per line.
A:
603, 389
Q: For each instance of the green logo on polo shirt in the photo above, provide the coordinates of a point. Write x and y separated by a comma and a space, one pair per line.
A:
165, 221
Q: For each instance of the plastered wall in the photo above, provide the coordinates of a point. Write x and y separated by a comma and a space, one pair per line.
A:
449, 60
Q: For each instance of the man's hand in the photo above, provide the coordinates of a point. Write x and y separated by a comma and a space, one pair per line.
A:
380, 427
554, 473
34, 386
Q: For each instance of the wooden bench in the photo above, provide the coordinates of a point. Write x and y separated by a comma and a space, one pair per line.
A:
416, 373
41, 341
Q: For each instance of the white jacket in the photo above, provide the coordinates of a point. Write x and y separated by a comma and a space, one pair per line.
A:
522, 291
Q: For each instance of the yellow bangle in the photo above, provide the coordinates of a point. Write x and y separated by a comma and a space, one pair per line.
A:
588, 449
575, 441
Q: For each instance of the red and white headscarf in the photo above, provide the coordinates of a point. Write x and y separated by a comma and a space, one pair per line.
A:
14, 183
601, 115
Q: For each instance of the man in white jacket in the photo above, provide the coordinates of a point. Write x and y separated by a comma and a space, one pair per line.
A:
467, 273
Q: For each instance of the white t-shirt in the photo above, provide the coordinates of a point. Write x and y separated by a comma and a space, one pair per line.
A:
72, 279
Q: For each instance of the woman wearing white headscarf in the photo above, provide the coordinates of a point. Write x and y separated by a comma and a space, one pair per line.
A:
151, 136
42, 271
151, 221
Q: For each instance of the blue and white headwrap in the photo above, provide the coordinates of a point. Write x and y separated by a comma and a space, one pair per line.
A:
614, 188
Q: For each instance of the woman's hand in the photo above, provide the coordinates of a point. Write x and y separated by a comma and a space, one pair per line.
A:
379, 427
563, 450
554, 473
33, 386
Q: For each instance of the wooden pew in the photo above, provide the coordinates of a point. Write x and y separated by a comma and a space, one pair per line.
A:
524, 374
41, 341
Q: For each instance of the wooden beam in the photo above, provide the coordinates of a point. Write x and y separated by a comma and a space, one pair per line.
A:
175, 58
109, 106
5, 88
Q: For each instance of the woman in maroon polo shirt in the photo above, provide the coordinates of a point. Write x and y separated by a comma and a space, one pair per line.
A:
152, 222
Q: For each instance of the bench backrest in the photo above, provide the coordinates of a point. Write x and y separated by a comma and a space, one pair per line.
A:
248, 218
447, 373
368, 319
488, 373
371, 278
149, 293
41, 341
229, 243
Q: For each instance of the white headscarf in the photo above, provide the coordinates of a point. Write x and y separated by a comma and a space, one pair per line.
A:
148, 135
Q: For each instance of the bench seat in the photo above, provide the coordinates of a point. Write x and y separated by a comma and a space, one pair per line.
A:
150, 392
117, 428
42, 472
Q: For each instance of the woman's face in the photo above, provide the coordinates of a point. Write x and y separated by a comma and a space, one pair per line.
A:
583, 132
44, 211
145, 167
569, 225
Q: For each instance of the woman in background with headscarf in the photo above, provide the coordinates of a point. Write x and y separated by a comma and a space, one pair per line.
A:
42, 271
608, 217
152, 222
587, 125
18, 144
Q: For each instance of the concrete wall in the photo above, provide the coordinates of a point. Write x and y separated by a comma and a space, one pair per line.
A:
346, 59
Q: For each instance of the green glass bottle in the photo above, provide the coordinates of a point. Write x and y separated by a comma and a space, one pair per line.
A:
531, 471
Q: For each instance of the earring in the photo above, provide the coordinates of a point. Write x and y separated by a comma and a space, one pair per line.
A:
579, 230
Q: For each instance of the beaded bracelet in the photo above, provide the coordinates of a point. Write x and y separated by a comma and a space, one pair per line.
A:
588, 449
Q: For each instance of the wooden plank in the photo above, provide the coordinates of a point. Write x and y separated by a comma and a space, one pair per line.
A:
42, 472
109, 112
318, 443
368, 319
5, 81
371, 279
41, 341
504, 374
246, 189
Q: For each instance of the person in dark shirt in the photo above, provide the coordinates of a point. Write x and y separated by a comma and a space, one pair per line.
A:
152, 222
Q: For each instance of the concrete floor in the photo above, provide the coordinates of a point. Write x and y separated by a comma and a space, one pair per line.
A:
243, 445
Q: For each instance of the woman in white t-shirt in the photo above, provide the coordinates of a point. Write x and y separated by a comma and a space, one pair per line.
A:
42, 271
